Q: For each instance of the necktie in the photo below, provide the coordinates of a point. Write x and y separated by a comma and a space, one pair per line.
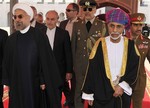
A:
88, 25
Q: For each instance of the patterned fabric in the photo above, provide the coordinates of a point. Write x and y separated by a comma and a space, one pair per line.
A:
119, 16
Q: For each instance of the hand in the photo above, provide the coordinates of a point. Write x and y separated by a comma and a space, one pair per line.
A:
7, 88
118, 91
68, 76
43, 86
90, 102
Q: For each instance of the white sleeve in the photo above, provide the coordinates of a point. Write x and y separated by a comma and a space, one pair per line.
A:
126, 87
87, 96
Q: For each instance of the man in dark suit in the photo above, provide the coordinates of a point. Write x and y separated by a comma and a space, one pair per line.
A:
34, 23
3, 37
40, 18
60, 43
72, 11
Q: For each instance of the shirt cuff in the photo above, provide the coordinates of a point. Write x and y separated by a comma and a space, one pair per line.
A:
126, 87
87, 96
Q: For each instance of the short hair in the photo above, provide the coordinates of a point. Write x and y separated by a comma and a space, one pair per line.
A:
75, 6
56, 13
33, 8
40, 14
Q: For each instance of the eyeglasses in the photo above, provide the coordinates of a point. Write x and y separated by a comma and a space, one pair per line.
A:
17, 16
87, 9
69, 10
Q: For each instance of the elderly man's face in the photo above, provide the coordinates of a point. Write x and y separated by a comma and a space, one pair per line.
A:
21, 19
89, 12
115, 29
51, 19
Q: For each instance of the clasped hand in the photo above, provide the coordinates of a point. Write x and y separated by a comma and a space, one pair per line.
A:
118, 91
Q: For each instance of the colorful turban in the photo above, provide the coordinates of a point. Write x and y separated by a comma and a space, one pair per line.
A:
25, 7
119, 16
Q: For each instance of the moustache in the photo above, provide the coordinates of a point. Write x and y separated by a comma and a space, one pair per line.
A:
18, 23
115, 33
138, 31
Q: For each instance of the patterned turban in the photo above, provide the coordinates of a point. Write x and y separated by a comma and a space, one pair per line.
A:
119, 16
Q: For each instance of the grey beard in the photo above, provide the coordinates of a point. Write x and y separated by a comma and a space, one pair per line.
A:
115, 38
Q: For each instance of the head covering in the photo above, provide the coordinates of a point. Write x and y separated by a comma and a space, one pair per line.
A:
24, 7
40, 13
87, 3
118, 15
137, 18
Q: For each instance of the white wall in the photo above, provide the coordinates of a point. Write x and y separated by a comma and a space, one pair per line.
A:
4, 10
145, 10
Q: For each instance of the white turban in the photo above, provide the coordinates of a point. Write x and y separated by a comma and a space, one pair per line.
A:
24, 7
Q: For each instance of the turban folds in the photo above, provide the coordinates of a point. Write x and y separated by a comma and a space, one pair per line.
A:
119, 16
24, 7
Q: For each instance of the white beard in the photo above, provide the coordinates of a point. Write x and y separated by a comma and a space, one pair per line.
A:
115, 38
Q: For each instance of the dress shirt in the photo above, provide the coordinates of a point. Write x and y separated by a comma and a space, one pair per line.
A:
92, 20
69, 26
51, 36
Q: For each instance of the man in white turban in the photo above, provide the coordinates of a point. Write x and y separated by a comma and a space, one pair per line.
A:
29, 65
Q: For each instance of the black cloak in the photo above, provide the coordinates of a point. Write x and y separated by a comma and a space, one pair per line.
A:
99, 83
28, 63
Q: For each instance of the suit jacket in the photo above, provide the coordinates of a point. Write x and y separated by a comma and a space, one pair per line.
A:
3, 37
62, 51
40, 26
63, 24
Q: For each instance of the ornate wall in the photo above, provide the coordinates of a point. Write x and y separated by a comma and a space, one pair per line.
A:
130, 6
